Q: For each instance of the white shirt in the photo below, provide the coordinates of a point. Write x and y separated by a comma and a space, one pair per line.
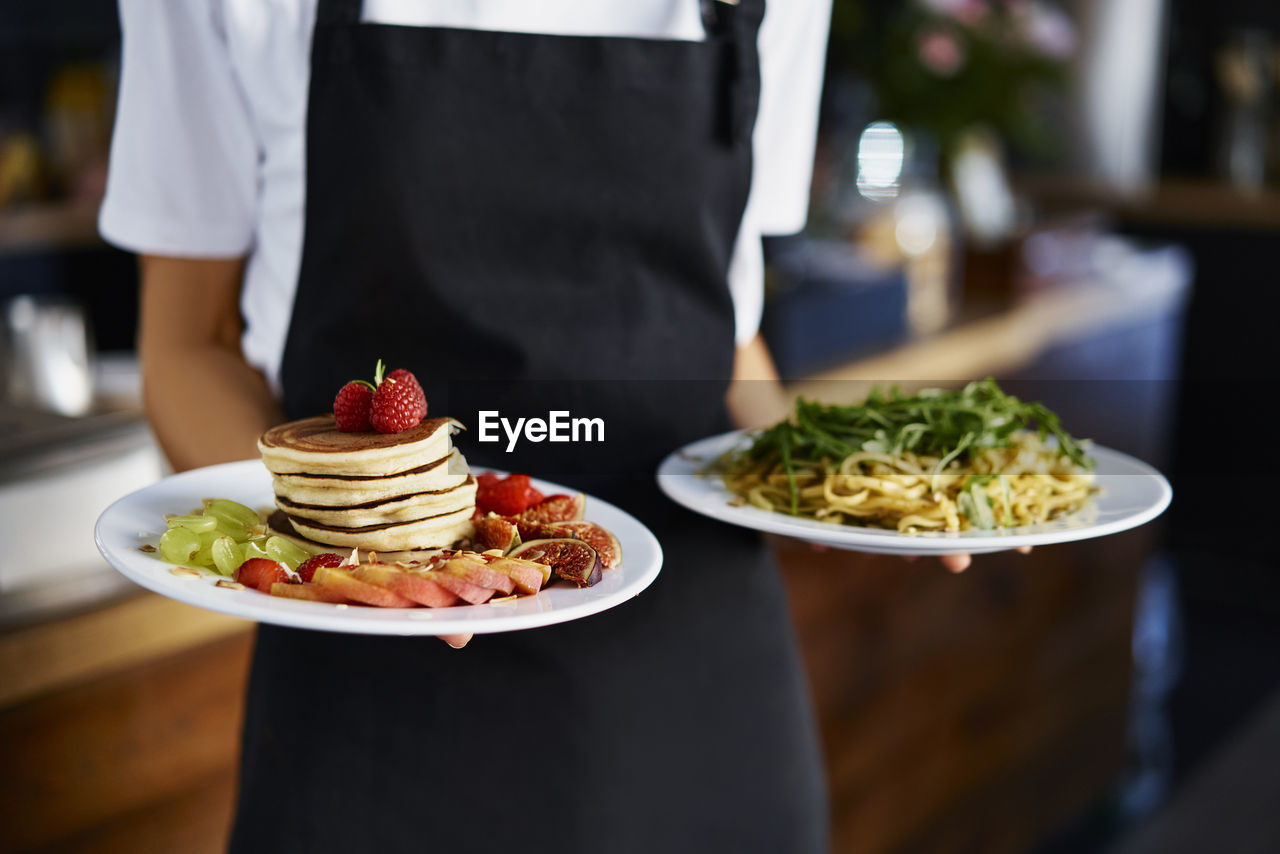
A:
207, 159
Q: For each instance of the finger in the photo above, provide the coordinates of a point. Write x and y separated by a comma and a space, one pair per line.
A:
1024, 550
456, 641
956, 563
911, 558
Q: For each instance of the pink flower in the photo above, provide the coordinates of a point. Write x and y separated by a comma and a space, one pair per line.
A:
940, 52
1047, 29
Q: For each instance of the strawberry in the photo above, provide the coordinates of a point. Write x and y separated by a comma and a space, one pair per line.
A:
400, 375
307, 569
260, 573
510, 496
351, 406
397, 404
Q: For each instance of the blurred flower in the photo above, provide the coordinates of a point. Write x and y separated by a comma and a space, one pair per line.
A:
1046, 29
940, 52
968, 12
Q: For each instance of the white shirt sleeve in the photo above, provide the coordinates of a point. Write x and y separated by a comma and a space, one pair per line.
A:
184, 158
793, 49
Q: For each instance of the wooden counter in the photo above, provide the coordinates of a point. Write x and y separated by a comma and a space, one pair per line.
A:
119, 729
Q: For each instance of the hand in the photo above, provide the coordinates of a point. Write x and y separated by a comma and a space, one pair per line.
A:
955, 563
960, 562
456, 641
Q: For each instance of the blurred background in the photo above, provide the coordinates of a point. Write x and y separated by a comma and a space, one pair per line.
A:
1079, 198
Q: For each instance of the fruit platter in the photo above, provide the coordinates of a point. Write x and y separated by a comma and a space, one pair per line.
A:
369, 521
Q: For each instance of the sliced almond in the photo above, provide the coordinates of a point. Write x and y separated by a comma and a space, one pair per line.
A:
504, 601
148, 548
184, 571
228, 584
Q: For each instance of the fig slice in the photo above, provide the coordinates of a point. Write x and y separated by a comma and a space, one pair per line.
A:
599, 538
557, 508
531, 530
572, 560
495, 532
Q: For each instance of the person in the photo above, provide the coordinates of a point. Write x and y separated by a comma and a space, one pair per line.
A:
517, 198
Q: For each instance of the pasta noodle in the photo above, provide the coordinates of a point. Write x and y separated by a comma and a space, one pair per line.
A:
1023, 484
941, 461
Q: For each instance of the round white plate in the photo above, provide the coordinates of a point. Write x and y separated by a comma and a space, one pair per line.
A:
138, 519
1131, 494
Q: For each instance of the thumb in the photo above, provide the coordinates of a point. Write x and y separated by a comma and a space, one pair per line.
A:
456, 641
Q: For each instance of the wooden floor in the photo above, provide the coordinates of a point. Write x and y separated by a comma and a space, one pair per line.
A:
959, 713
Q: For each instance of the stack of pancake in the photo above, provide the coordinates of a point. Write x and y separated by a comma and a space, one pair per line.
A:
381, 491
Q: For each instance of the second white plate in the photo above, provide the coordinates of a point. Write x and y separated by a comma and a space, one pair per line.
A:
1131, 493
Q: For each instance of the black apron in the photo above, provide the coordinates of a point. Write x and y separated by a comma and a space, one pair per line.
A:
529, 223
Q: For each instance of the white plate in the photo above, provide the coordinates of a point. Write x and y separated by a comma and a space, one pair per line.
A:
1132, 493
138, 519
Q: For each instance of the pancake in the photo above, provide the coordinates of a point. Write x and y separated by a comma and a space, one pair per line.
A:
432, 532
316, 446
329, 490
403, 508
280, 526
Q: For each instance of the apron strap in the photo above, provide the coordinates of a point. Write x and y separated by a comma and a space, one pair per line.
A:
730, 21
338, 12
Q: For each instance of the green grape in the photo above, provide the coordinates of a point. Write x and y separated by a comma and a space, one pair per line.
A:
227, 555
234, 520
178, 545
253, 548
232, 509
228, 526
285, 552
204, 555
199, 524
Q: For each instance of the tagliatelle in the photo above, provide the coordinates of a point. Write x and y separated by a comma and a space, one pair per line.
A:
937, 460
1024, 483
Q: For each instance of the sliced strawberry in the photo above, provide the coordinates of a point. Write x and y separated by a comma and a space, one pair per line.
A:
509, 496
307, 569
260, 573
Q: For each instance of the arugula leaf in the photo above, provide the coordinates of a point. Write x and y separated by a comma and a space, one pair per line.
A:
947, 423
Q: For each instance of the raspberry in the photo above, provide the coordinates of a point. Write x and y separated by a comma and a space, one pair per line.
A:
351, 406
307, 569
400, 375
394, 408
398, 402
